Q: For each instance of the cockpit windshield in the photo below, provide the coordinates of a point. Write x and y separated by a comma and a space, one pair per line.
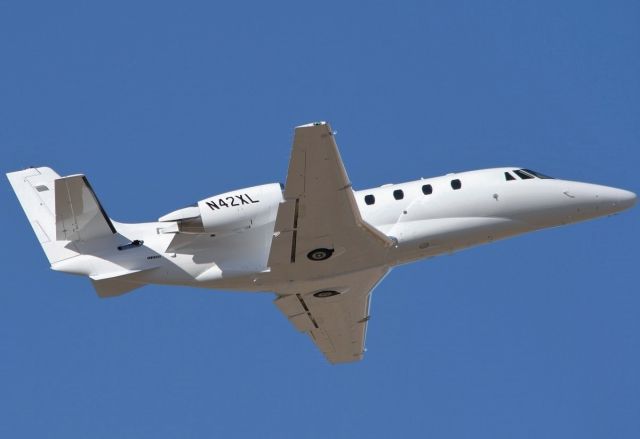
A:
524, 174
536, 174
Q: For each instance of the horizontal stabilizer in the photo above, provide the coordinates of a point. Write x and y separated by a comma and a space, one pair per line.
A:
79, 214
116, 284
113, 287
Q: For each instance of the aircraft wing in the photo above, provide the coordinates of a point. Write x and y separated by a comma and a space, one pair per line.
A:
337, 323
319, 211
322, 249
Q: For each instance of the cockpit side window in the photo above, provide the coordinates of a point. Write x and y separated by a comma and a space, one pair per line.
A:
522, 175
536, 174
508, 176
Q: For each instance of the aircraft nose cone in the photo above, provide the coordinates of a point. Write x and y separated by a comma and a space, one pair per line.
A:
618, 199
625, 199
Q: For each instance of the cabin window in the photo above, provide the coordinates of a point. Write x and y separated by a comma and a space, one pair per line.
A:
522, 175
398, 194
369, 199
427, 189
508, 176
456, 184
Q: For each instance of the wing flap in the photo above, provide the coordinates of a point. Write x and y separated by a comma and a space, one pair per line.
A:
302, 322
289, 305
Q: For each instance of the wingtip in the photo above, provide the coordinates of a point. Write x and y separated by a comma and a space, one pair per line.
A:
313, 124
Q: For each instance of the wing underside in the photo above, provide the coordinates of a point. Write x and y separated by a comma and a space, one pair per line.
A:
322, 244
319, 211
334, 312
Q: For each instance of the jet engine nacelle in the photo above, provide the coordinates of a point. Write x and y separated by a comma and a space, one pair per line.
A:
229, 212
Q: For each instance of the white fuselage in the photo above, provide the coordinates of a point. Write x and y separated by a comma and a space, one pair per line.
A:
422, 223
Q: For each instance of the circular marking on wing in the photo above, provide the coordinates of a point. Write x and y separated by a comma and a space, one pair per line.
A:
320, 254
325, 293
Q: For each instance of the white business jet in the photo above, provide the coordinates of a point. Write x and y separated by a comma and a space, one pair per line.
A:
318, 244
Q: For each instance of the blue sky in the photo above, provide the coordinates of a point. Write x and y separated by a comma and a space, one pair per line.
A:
164, 103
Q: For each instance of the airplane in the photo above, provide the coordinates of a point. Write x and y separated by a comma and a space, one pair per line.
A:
320, 245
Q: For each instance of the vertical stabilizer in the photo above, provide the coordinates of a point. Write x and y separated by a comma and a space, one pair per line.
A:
35, 189
79, 216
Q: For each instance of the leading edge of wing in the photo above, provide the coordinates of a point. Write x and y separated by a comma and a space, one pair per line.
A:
343, 181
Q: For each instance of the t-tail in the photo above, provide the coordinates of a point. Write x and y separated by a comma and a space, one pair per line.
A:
65, 214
